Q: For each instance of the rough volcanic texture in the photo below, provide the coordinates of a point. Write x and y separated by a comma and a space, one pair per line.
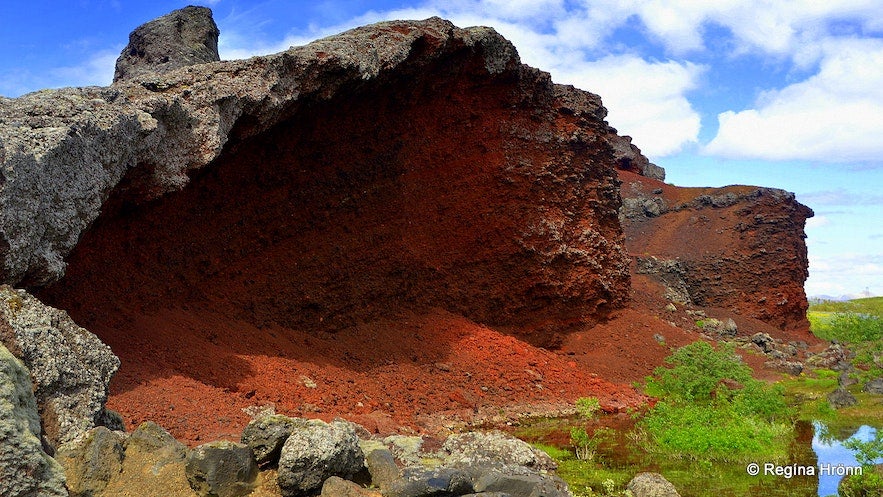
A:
69, 366
408, 181
181, 38
25, 470
737, 247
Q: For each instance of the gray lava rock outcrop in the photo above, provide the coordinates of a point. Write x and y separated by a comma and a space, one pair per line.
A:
69, 366
181, 38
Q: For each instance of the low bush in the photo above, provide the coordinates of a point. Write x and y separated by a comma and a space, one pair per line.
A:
711, 408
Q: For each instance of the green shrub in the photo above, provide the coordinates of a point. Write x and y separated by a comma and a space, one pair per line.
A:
699, 417
585, 446
588, 407
866, 453
849, 327
696, 370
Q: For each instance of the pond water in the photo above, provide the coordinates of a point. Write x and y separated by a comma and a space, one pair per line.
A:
814, 467
829, 449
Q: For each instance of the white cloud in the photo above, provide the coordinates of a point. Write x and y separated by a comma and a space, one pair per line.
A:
839, 197
817, 222
834, 116
97, 69
844, 274
645, 99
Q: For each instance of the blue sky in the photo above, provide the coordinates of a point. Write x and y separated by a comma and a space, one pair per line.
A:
782, 94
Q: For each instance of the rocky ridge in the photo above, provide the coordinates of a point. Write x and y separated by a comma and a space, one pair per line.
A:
407, 172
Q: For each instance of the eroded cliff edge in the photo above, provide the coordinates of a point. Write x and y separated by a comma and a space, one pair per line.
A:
408, 188
405, 162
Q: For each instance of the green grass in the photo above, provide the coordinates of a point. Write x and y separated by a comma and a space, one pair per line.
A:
857, 323
698, 417
872, 306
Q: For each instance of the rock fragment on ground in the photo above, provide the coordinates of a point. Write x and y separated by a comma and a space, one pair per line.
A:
478, 448
840, 398
267, 434
874, 386
651, 485
382, 467
316, 451
91, 461
338, 487
221, 469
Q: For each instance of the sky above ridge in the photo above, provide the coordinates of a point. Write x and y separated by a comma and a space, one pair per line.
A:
779, 94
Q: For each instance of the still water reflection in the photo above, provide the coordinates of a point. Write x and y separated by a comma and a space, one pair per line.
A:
829, 449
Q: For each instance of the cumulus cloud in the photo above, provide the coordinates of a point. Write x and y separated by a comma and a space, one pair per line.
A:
833, 116
97, 69
645, 99
844, 274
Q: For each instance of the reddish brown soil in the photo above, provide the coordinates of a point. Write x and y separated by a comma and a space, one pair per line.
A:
418, 371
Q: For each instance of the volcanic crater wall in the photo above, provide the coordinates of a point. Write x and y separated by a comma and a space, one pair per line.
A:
739, 248
455, 178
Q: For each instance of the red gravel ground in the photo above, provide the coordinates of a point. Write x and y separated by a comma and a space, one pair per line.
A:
197, 374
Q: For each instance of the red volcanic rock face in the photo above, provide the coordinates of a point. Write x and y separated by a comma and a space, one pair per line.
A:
436, 186
435, 196
737, 247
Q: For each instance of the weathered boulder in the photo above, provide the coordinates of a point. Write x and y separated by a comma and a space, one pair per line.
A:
338, 487
25, 470
423, 482
382, 467
70, 367
91, 461
518, 484
181, 38
874, 386
478, 448
316, 451
221, 469
651, 485
841, 398
266, 436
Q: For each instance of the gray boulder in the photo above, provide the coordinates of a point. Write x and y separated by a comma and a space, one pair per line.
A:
181, 38
315, 452
422, 482
338, 487
221, 469
91, 461
651, 485
519, 484
765, 342
25, 469
841, 398
70, 367
382, 467
726, 328
266, 436
477, 449
874, 386
150, 438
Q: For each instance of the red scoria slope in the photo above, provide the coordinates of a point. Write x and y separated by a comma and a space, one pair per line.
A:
387, 249
738, 247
